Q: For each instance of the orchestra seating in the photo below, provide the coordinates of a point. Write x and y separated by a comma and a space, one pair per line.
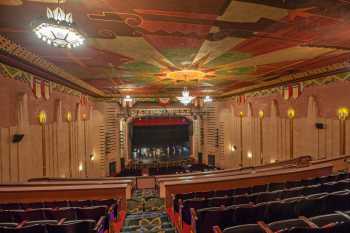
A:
271, 203
78, 216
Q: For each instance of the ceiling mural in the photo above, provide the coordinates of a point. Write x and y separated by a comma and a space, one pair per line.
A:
158, 47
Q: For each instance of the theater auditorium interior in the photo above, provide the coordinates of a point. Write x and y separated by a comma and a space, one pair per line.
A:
174, 116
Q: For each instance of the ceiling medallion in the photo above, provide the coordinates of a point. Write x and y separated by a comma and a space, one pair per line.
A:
185, 99
186, 75
58, 30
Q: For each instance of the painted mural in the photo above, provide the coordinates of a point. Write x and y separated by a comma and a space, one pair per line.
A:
154, 47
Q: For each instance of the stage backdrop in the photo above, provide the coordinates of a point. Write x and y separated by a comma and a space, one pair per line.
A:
160, 131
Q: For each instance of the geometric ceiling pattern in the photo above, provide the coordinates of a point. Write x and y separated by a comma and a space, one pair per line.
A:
157, 47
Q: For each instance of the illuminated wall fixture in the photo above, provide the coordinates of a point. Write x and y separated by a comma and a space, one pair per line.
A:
58, 29
42, 120
92, 156
85, 145
207, 99
241, 114
127, 101
186, 98
261, 118
291, 116
249, 155
272, 161
343, 114
233, 148
81, 167
69, 119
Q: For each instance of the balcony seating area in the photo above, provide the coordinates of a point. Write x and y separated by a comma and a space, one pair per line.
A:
268, 203
78, 216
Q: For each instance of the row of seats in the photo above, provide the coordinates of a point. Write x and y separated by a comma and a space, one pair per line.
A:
179, 198
79, 226
338, 222
67, 216
256, 198
313, 205
57, 204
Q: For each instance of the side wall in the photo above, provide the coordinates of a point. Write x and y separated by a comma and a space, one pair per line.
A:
57, 141
277, 137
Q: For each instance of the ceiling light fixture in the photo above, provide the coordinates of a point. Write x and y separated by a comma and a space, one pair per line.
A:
58, 30
207, 99
185, 99
127, 98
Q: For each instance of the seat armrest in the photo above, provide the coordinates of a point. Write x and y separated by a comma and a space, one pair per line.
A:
217, 229
194, 219
62, 220
308, 222
100, 224
264, 227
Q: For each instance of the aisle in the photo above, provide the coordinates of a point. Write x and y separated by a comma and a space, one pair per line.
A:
146, 213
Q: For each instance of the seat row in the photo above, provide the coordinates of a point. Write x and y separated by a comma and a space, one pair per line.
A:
256, 198
178, 199
204, 219
76, 226
337, 222
58, 204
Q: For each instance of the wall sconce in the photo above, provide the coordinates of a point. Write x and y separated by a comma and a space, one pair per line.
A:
42, 117
291, 113
261, 114
272, 160
69, 116
343, 113
92, 157
84, 116
241, 114
233, 148
249, 155
81, 168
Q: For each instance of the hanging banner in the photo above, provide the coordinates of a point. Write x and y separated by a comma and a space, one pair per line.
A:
36, 88
45, 89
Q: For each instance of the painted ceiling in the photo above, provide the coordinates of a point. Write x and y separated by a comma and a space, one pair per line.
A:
157, 47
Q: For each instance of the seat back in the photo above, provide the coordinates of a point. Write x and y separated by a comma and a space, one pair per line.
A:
249, 228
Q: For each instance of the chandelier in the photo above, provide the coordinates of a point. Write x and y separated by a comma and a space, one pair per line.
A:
185, 99
207, 99
58, 30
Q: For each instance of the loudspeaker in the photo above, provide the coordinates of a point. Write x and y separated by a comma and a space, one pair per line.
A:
17, 138
320, 126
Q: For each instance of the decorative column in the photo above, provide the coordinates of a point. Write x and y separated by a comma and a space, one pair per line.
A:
241, 114
343, 114
291, 115
85, 145
42, 120
261, 117
69, 121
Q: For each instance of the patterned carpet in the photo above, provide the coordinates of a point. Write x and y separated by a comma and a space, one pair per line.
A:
146, 213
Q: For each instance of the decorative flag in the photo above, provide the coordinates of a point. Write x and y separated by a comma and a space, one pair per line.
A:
241, 99
84, 99
287, 92
36, 88
45, 89
297, 90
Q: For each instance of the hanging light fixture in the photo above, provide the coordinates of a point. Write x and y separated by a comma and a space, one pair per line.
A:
207, 99
185, 99
58, 30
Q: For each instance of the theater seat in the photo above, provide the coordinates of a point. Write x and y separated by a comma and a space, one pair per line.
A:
323, 220
28, 229
73, 227
57, 214
287, 224
249, 228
